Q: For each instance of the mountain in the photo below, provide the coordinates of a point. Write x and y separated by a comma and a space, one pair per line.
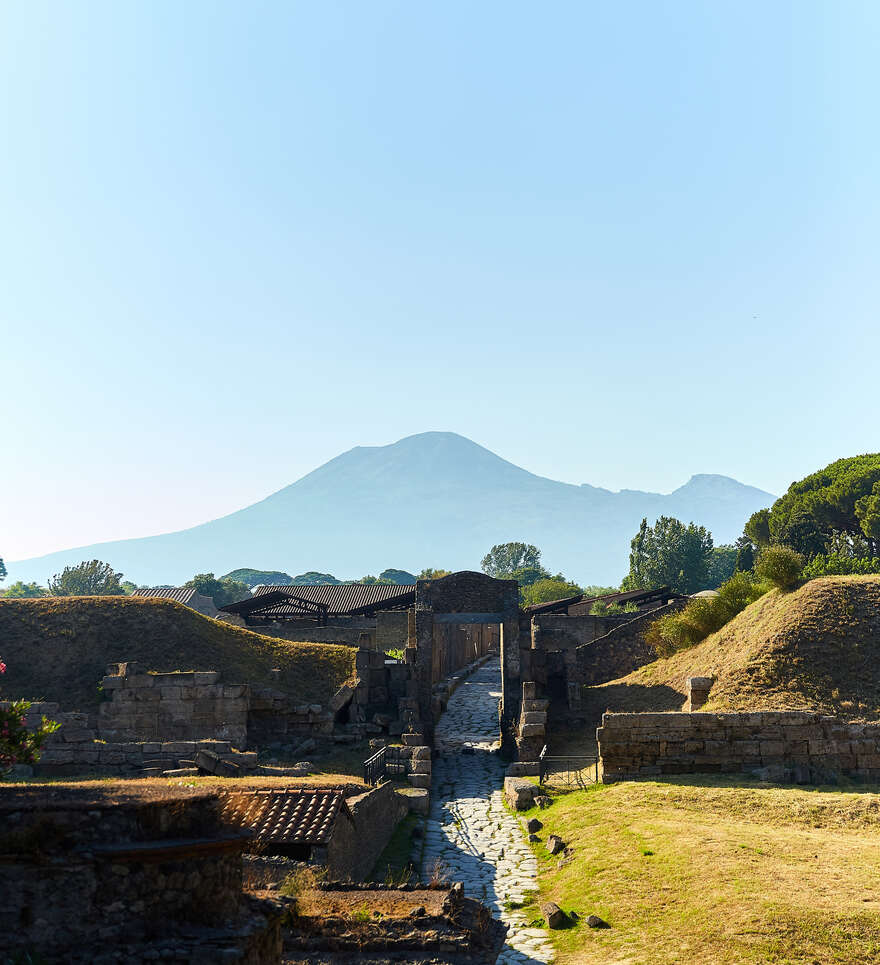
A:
434, 499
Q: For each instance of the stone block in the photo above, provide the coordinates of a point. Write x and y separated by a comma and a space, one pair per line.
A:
529, 706
139, 681
111, 683
534, 717
529, 690
205, 677
421, 753
532, 730
519, 793
418, 799
420, 780
341, 697
420, 767
553, 915
413, 740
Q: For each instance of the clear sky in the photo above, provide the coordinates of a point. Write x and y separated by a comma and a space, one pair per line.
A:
616, 243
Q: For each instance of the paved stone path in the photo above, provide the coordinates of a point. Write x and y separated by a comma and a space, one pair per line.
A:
469, 830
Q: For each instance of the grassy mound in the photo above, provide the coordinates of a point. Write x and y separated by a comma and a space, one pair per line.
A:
58, 649
817, 648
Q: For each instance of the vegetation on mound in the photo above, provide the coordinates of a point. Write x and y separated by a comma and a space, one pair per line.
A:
714, 872
817, 648
58, 649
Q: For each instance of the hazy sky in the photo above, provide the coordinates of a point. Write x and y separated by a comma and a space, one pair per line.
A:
615, 243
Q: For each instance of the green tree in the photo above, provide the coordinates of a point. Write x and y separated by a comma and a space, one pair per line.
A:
841, 564
314, 578
429, 573
221, 591
842, 498
780, 565
745, 555
252, 578
669, 554
546, 590
505, 559
21, 591
400, 577
89, 578
722, 564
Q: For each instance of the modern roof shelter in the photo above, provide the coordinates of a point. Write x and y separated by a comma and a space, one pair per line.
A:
321, 601
581, 605
187, 595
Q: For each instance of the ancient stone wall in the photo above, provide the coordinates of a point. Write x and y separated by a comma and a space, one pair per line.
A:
774, 745
91, 879
558, 631
168, 706
391, 629
355, 847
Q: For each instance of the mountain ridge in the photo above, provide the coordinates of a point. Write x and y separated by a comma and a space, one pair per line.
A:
430, 499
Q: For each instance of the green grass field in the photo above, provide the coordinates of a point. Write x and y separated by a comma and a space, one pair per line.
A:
710, 872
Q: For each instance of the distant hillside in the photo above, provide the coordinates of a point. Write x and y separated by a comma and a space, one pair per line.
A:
58, 649
435, 499
817, 648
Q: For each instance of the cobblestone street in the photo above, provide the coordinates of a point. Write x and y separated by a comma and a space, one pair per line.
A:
469, 832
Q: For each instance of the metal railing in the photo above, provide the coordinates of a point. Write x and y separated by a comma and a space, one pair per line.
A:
570, 771
375, 768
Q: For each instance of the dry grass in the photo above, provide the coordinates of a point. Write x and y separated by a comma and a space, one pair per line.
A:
58, 649
713, 873
817, 648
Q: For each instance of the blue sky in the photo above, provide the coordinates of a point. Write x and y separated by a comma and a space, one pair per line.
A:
615, 243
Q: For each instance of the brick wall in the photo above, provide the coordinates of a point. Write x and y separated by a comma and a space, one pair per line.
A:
774, 745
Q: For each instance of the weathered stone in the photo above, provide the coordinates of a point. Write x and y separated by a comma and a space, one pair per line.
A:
533, 825
553, 914
594, 921
542, 801
519, 793
555, 844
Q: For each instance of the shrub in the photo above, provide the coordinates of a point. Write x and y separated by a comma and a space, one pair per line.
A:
780, 566
836, 564
703, 616
18, 745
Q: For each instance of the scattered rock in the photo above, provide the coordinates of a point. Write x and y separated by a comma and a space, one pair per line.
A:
553, 915
533, 825
418, 912
304, 766
555, 844
542, 801
534, 837
594, 921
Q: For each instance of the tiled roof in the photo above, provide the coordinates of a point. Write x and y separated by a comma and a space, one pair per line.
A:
182, 594
340, 598
289, 816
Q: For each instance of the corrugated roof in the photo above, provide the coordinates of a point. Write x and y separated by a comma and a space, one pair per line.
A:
341, 598
288, 816
182, 594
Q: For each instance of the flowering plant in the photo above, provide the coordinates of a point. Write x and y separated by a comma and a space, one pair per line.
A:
18, 745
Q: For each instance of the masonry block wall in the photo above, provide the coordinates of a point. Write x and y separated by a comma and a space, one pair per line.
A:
354, 849
775, 745
169, 706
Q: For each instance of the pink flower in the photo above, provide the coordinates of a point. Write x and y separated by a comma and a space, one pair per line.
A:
2, 667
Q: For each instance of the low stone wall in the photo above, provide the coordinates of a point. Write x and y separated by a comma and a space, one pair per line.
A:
354, 849
780, 746
169, 706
